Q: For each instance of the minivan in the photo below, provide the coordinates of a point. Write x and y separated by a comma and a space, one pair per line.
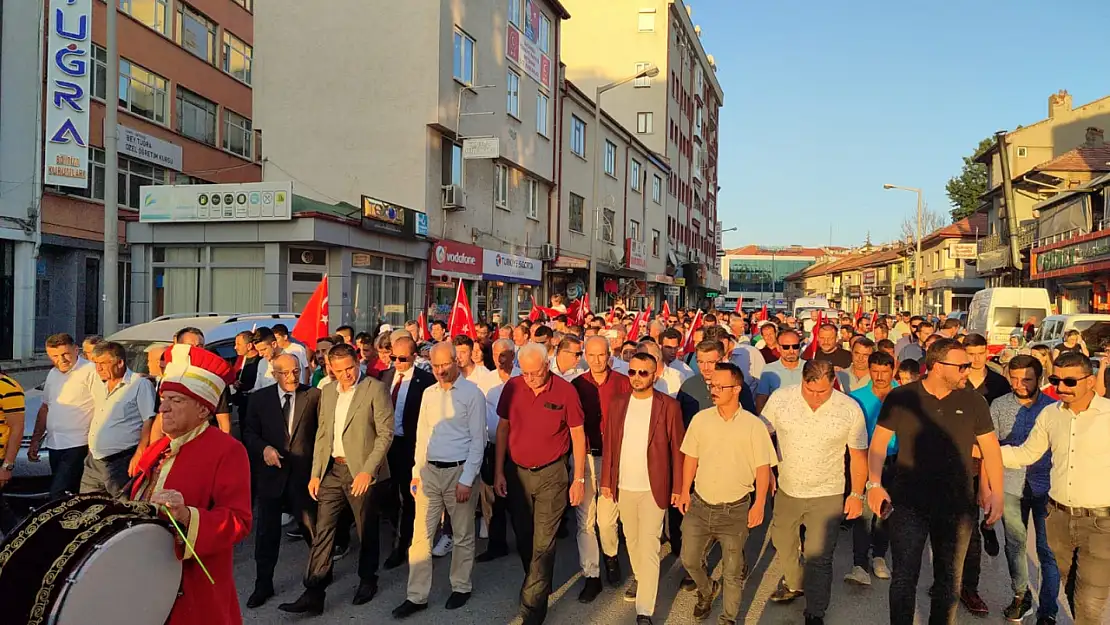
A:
997, 312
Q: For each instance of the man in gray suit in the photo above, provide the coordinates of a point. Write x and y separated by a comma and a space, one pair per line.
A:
348, 467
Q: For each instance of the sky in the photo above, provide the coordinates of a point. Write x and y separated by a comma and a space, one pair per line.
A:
827, 101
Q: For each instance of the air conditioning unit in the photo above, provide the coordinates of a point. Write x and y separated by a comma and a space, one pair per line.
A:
547, 252
691, 256
454, 198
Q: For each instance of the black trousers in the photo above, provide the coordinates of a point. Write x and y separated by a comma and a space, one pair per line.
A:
973, 563
333, 496
267, 527
948, 531
399, 506
66, 467
499, 519
537, 501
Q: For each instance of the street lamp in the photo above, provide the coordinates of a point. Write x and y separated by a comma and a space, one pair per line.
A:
917, 262
651, 71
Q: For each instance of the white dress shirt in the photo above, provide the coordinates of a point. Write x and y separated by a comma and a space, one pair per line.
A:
265, 375
119, 414
1080, 460
683, 368
751, 362
292, 407
452, 428
812, 442
69, 401
405, 380
669, 382
491, 386
616, 363
342, 407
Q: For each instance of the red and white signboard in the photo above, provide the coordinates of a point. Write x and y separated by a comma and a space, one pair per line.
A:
528, 56
636, 254
451, 259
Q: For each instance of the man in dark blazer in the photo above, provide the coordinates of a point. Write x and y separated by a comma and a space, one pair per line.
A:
348, 467
406, 384
279, 431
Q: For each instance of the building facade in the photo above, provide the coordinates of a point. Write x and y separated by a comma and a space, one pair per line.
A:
675, 114
758, 274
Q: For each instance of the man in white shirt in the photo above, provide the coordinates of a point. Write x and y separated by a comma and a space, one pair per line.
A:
1077, 431
667, 380
567, 362
123, 414
464, 358
62, 423
495, 511
265, 343
744, 356
670, 342
814, 423
617, 336
450, 442
288, 346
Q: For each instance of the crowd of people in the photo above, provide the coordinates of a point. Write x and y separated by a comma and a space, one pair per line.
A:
690, 429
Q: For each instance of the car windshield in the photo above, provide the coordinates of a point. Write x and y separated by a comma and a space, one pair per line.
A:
137, 354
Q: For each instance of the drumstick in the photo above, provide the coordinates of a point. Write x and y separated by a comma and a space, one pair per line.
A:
188, 544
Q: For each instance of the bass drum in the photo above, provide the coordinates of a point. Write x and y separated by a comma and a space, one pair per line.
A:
89, 560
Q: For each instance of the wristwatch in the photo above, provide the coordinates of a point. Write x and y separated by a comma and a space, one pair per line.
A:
871, 485
581, 480
856, 495
8, 466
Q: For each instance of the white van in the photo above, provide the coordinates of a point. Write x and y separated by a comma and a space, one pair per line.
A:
803, 306
997, 312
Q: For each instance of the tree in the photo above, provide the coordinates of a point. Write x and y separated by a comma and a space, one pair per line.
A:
964, 190
930, 221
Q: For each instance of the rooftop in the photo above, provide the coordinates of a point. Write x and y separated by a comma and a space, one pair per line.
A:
793, 250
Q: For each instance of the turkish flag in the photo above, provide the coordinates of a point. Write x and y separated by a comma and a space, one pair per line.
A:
612, 315
811, 349
422, 323
583, 309
638, 323
763, 313
740, 305
462, 321
541, 311
666, 314
313, 322
688, 342
859, 312
574, 312
874, 318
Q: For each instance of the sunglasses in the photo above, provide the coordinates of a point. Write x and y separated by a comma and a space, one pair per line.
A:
575, 354
961, 366
789, 348
1056, 380
640, 373
400, 358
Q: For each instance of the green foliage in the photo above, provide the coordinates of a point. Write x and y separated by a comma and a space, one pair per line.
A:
964, 190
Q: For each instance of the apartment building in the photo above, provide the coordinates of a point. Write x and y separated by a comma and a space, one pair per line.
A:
674, 114
758, 274
444, 108
185, 117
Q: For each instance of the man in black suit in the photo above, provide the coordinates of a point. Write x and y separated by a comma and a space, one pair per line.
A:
279, 432
406, 384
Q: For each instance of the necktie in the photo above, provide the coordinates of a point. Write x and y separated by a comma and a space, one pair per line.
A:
397, 387
287, 410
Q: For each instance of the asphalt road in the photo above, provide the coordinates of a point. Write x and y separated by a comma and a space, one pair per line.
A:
497, 583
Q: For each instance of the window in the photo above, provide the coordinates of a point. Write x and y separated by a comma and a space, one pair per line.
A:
95, 189
237, 58
657, 189
189, 279
655, 236
501, 186
642, 81
196, 33
577, 136
646, 22
99, 73
238, 137
533, 206
936, 260
577, 204
142, 92
514, 13
610, 158
645, 123
634, 229
635, 175
544, 38
607, 226
512, 82
134, 174
246, 4
196, 117
464, 58
541, 114
153, 13
452, 162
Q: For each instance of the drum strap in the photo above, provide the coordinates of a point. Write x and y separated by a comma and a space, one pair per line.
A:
151, 483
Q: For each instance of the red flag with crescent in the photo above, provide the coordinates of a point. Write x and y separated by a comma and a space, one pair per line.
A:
312, 325
462, 321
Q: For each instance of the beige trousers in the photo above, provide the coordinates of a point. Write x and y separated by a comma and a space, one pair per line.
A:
436, 494
643, 522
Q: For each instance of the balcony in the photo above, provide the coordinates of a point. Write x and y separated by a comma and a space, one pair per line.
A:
1027, 234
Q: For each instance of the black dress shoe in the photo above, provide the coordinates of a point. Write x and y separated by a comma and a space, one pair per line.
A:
990, 539
366, 591
490, 555
590, 590
260, 595
814, 620
396, 559
783, 594
408, 608
297, 533
305, 604
688, 583
643, 619
457, 600
612, 570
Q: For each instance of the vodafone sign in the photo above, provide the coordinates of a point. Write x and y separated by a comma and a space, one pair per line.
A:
456, 260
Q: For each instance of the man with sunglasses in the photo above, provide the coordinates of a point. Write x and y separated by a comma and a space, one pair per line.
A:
907, 334
937, 420
406, 384
786, 371
567, 363
1077, 432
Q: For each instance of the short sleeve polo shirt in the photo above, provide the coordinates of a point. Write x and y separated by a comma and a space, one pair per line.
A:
539, 423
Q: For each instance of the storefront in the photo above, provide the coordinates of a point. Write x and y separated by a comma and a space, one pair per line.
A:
569, 276
1076, 273
499, 285
511, 284
661, 289
272, 259
449, 262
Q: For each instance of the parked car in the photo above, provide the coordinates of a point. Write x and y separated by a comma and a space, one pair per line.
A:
1093, 328
31, 480
996, 312
960, 315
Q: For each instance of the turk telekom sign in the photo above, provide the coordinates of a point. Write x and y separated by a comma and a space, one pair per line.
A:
68, 72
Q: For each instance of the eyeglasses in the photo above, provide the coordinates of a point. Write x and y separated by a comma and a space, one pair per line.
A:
708, 363
721, 387
640, 373
961, 366
575, 354
279, 372
789, 347
1056, 380
396, 358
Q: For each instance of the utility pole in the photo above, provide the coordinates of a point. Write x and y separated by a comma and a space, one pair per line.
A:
110, 262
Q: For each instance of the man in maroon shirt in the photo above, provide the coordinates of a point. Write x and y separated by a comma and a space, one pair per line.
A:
596, 390
541, 419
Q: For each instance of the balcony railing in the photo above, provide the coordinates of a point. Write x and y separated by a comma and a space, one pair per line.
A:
1027, 234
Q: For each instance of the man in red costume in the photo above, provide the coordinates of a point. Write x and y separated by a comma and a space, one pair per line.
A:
202, 476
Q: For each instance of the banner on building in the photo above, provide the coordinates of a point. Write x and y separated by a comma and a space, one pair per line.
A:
251, 201
69, 65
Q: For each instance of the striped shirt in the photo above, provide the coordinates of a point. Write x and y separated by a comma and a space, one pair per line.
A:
12, 401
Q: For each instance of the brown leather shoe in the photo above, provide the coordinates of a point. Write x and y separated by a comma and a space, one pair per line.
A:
974, 603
